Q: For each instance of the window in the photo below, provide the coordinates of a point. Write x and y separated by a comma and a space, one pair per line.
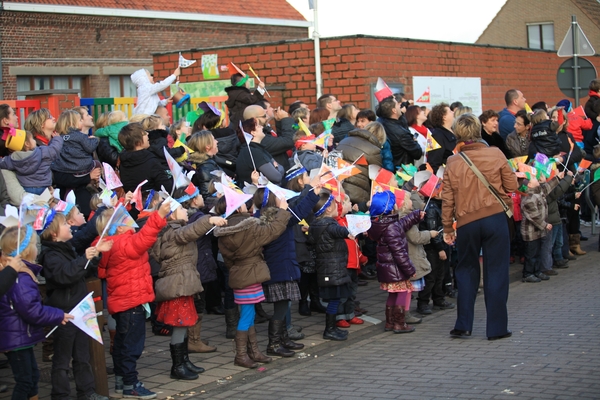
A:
121, 86
26, 83
540, 36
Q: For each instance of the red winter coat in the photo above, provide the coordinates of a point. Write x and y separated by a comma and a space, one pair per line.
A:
355, 256
578, 124
127, 268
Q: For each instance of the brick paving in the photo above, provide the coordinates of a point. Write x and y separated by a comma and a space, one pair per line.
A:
554, 352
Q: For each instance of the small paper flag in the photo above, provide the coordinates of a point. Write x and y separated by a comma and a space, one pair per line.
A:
112, 179
410, 169
179, 178
85, 318
584, 164
362, 160
432, 144
382, 90
183, 63
303, 127
328, 124
528, 109
137, 196
358, 223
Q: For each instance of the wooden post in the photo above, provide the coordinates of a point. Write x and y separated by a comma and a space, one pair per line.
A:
97, 357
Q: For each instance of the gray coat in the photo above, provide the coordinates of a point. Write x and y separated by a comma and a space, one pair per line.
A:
76, 154
416, 251
33, 167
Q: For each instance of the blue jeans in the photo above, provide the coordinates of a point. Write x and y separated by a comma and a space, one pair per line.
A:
546, 251
129, 343
26, 373
557, 241
35, 190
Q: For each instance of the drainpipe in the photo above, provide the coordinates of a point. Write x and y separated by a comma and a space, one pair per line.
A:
1, 81
317, 41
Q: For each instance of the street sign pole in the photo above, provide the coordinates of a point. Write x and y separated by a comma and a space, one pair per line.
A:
575, 30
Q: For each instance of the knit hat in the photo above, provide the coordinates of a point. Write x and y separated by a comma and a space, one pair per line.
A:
382, 203
564, 103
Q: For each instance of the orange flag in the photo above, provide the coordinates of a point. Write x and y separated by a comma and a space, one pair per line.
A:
361, 160
584, 164
347, 168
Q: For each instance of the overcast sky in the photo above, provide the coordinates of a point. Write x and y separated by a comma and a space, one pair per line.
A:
453, 21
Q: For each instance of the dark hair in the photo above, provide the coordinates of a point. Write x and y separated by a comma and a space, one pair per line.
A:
523, 114
263, 103
540, 105
436, 116
324, 100
295, 105
510, 96
346, 111
323, 198
258, 199
316, 129
294, 184
411, 115
367, 114
235, 78
595, 85
319, 114
221, 206
455, 105
131, 135
385, 108
487, 115
249, 125
4, 111
209, 119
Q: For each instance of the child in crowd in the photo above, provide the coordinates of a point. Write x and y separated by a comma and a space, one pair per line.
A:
109, 146
346, 316
65, 275
535, 226
394, 267
147, 90
32, 163
241, 244
331, 261
22, 314
179, 281
543, 134
552, 252
307, 151
239, 97
129, 286
159, 139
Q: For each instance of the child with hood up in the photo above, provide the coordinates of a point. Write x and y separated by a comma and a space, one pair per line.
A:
147, 90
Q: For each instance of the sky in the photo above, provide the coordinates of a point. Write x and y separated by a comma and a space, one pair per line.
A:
453, 21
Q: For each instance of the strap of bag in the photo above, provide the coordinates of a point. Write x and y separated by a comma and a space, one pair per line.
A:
486, 184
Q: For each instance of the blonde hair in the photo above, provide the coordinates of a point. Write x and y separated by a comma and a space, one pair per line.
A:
101, 121
151, 122
175, 126
301, 113
462, 110
35, 120
116, 116
8, 243
54, 227
467, 127
138, 118
378, 131
405, 209
95, 201
67, 119
538, 116
199, 141
103, 219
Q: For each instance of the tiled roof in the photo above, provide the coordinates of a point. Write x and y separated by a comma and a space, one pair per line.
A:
275, 9
591, 8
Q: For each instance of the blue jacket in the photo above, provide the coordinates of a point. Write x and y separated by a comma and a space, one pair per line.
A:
386, 157
76, 155
280, 254
33, 167
506, 123
22, 314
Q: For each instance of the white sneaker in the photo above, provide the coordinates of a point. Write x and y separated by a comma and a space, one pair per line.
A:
585, 223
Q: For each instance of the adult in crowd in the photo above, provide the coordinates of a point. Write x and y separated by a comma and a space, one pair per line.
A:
518, 141
577, 123
296, 105
261, 160
592, 110
481, 225
331, 104
276, 144
345, 123
566, 138
515, 101
405, 149
441, 117
41, 124
489, 131
87, 121
360, 141
239, 97
415, 118
317, 115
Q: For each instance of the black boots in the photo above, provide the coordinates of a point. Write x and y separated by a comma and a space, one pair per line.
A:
276, 346
303, 308
261, 315
332, 332
232, 316
186, 358
179, 370
287, 342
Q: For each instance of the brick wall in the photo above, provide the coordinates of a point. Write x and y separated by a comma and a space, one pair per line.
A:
509, 27
112, 41
351, 64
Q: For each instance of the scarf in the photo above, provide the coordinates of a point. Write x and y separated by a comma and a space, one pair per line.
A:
422, 129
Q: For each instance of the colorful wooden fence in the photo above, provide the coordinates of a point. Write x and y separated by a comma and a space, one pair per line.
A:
22, 108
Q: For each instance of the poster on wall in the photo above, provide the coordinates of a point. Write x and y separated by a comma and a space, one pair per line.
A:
206, 88
210, 69
431, 90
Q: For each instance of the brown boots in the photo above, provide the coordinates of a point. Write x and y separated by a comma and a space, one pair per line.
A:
389, 322
195, 343
253, 350
398, 318
575, 245
241, 351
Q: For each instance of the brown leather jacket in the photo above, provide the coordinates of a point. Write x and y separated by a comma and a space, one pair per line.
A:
241, 243
464, 197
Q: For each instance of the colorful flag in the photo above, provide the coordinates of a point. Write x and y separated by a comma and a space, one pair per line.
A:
432, 144
111, 177
137, 196
410, 169
362, 160
234, 199
358, 223
431, 188
328, 124
179, 177
345, 169
514, 162
528, 109
233, 69
584, 164
322, 140
183, 63
303, 127
85, 317
382, 90
377, 187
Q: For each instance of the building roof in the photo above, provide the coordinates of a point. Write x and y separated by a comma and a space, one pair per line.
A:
591, 8
271, 9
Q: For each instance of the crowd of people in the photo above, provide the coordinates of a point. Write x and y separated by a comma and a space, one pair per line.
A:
200, 221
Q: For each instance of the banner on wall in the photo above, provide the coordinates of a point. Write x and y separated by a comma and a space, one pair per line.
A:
431, 90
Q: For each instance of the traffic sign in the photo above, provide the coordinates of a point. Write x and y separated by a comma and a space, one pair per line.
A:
584, 47
566, 76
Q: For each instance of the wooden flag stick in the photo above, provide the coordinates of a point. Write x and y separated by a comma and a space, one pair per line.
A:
256, 76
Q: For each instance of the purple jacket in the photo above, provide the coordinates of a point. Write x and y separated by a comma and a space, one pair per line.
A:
22, 314
393, 263
33, 167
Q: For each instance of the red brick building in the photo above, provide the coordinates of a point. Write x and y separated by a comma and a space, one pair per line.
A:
94, 46
351, 65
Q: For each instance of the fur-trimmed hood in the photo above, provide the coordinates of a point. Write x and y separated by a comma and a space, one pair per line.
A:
240, 222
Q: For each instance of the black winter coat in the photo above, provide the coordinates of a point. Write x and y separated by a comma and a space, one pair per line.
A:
332, 252
106, 153
203, 165
592, 107
280, 145
303, 253
229, 148
433, 222
405, 149
65, 274
576, 155
84, 235
158, 142
136, 166
340, 130
206, 264
447, 140
495, 140
238, 99
544, 139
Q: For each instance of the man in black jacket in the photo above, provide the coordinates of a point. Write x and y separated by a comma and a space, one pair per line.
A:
405, 149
